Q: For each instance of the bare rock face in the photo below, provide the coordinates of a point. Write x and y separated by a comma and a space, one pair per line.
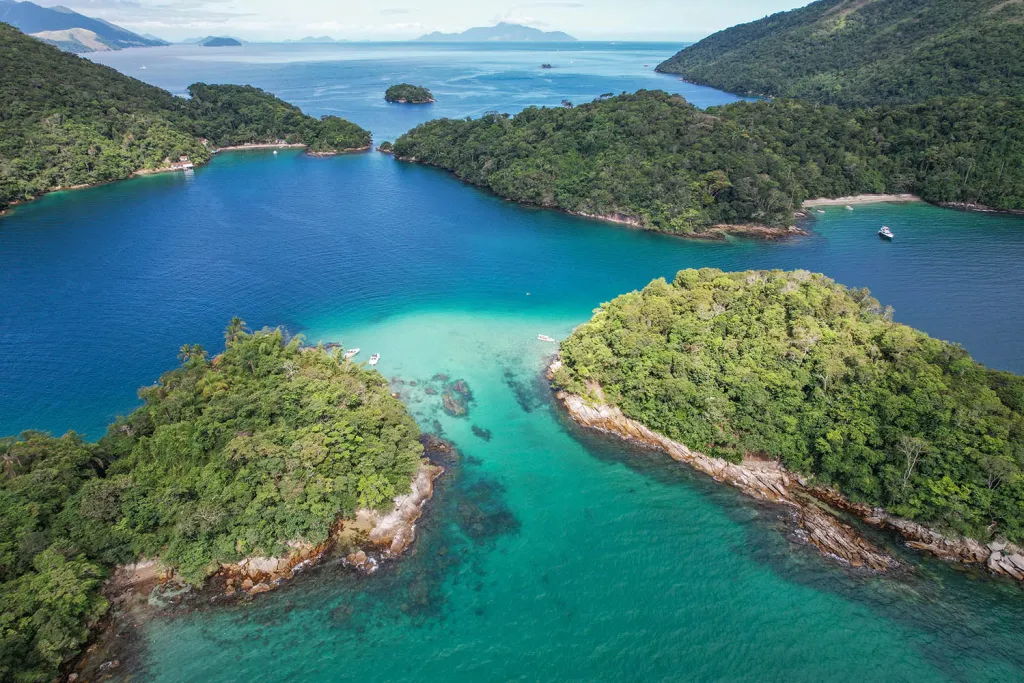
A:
396, 530
996, 556
769, 481
393, 532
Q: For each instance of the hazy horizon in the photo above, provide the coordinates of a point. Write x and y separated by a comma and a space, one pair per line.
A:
261, 20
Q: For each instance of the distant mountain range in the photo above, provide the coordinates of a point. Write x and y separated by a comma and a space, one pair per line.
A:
205, 40
501, 32
69, 30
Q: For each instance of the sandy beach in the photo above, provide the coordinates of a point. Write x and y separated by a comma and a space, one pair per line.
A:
862, 199
271, 145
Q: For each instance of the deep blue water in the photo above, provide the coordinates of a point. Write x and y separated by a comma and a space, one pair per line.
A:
548, 553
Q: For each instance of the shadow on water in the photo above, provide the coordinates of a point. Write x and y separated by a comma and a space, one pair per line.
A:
960, 616
529, 395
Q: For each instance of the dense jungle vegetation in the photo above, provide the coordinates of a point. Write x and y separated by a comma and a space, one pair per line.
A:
660, 161
796, 367
407, 93
66, 121
866, 52
227, 458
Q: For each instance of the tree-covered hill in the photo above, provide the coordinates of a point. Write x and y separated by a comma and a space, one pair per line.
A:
796, 367
864, 52
240, 114
66, 121
653, 159
406, 93
227, 458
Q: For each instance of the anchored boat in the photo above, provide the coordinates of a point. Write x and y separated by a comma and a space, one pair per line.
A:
374, 358
886, 233
544, 338
351, 352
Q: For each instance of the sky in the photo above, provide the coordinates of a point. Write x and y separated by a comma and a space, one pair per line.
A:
671, 20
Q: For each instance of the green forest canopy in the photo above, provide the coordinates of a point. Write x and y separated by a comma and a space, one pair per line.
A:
267, 443
408, 93
793, 366
67, 121
865, 52
657, 159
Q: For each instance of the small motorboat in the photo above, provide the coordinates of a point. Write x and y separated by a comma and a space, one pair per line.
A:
885, 233
544, 338
275, 152
351, 352
821, 211
849, 208
374, 358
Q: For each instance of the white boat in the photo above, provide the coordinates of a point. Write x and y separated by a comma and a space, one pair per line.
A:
821, 211
351, 352
275, 152
374, 358
886, 233
849, 208
544, 338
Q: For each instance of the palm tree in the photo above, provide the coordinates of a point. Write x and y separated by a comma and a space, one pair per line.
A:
10, 461
190, 352
236, 328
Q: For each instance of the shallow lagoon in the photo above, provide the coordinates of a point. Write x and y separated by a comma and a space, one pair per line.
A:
549, 553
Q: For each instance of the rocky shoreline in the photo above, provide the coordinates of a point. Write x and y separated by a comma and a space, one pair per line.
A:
812, 507
363, 539
979, 208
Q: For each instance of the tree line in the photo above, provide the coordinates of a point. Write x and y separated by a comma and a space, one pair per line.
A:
669, 166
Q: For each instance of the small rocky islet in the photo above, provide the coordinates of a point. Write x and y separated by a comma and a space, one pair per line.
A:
407, 93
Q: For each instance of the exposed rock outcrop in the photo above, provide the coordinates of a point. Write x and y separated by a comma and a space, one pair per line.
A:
999, 557
396, 530
768, 480
391, 533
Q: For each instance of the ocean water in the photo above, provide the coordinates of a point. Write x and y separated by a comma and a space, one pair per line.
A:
349, 80
549, 552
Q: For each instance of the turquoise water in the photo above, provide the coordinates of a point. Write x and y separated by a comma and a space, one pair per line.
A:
549, 553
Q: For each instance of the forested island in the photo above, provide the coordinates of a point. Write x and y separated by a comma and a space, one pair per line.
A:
255, 452
866, 53
652, 160
220, 41
792, 367
406, 93
68, 122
